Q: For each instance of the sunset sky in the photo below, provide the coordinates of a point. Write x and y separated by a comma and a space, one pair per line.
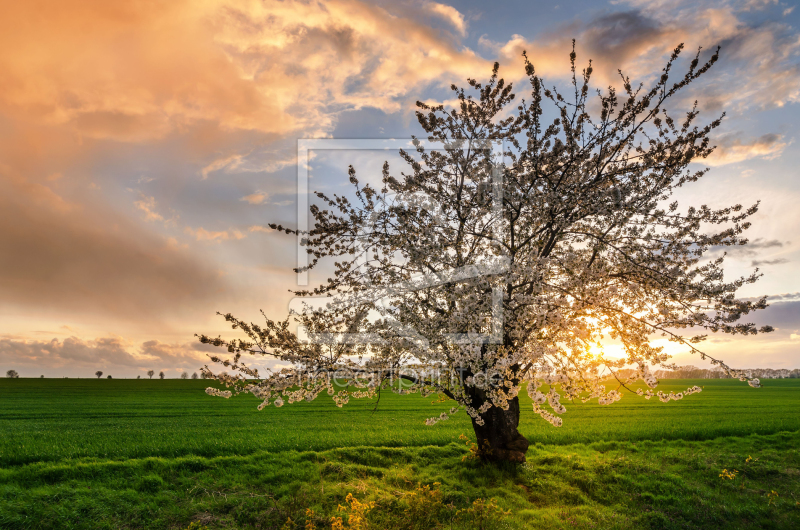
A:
144, 147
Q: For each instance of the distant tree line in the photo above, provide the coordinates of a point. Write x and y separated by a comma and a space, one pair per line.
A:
680, 372
693, 372
13, 374
162, 375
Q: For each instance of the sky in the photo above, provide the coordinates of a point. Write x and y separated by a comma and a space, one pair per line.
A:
145, 146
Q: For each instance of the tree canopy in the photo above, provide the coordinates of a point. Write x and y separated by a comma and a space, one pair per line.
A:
471, 275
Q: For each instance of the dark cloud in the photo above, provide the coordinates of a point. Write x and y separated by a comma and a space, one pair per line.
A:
76, 356
784, 315
751, 249
58, 256
765, 243
788, 297
777, 261
758, 58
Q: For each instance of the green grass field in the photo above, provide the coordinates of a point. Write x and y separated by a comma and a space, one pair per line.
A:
80, 453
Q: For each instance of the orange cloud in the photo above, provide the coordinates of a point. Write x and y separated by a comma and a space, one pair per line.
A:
732, 149
148, 206
259, 228
129, 71
450, 14
201, 234
136, 71
85, 80
228, 162
258, 197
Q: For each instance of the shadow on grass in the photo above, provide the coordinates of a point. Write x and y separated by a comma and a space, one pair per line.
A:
669, 484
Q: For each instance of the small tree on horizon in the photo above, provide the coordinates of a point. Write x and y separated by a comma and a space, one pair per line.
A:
161, 375
99, 374
184, 375
108, 377
150, 373
12, 374
194, 375
470, 276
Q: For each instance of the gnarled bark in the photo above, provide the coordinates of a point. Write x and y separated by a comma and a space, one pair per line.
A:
498, 437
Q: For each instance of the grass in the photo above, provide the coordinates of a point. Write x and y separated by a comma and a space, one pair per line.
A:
162, 454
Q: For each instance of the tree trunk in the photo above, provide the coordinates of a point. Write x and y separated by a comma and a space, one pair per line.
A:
498, 437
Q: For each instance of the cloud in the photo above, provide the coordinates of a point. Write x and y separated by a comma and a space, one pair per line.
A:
785, 297
731, 149
82, 357
758, 60
760, 242
777, 261
136, 72
201, 234
752, 248
630, 40
129, 72
172, 354
259, 228
229, 162
258, 197
114, 355
148, 206
758, 5
83, 258
450, 14
261, 197
784, 315
150, 93
160, 92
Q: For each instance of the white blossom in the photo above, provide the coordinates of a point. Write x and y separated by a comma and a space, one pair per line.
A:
473, 274
219, 393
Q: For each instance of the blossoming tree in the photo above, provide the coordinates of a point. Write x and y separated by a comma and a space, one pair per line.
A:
475, 275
